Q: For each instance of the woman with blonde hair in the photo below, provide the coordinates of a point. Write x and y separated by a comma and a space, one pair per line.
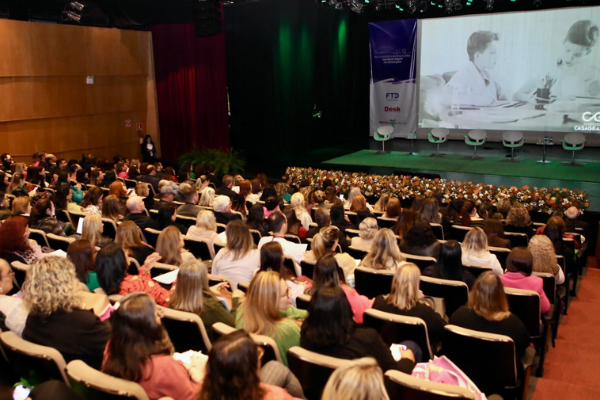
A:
207, 196
431, 211
21, 206
92, 230
367, 231
16, 185
170, 247
384, 253
326, 242
360, 379
239, 259
205, 230
142, 189
57, 318
192, 294
487, 311
112, 208
405, 299
298, 204
358, 203
382, 203
475, 251
129, 236
544, 257
268, 311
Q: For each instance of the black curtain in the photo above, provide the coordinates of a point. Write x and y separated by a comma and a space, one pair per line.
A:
286, 61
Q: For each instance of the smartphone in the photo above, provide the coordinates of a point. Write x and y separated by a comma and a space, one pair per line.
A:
21, 392
341, 197
395, 349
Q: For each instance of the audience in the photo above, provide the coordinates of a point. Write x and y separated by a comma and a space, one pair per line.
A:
15, 244
170, 247
43, 217
449, 265
405, 221
256, 220
494, 230
367, 230
137, 213
430, 211
405, 299
57, 317
544, 258
112, 208
206, 230
279, 227
268, 311
518, 220
14, 311
129, 236
222, 210
384, 253
420, 240
393, 208
92, 201
238, 260
191, 207
140, 350
475, 251
360, 379
82, 254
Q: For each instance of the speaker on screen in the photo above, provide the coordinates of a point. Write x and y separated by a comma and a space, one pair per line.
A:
207, 17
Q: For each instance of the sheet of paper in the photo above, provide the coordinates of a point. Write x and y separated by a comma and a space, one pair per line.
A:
167, 278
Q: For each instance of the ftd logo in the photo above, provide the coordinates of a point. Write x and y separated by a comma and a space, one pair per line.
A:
392, 96
392, 109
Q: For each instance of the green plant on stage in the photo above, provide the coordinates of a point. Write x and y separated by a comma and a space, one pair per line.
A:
224, 162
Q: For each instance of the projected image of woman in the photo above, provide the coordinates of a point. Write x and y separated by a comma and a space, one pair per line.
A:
574, 73
474, 84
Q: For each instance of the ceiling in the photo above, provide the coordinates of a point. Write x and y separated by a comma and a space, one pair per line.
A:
139, 14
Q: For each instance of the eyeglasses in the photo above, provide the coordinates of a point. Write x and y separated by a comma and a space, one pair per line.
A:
287, 293
9, 275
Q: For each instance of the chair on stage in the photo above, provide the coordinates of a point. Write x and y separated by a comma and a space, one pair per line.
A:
476, 138
437, 136
383, 134
512, 140
573, 142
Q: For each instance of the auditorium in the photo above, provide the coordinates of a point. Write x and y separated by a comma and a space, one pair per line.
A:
299, 199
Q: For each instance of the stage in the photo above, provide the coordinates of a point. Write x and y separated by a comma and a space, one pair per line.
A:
493, 166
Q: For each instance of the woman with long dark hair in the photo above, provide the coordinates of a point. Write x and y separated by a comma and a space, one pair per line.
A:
256, 219
82, 254
331, 330
140, 350
43, 217
420, 240
449, 265
148, 150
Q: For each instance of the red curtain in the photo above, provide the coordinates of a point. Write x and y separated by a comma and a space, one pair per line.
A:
191, 89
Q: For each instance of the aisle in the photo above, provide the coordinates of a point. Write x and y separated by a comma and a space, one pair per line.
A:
572, 369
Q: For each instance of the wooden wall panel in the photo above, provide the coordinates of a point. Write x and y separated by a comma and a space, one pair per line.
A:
45, 103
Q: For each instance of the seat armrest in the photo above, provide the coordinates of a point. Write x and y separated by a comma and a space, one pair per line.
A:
528, 357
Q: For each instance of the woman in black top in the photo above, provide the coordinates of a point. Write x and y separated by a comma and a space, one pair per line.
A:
148, 150
449, 265
420, 240
256, 219
404, 299
339, 218
487, 311
330, 330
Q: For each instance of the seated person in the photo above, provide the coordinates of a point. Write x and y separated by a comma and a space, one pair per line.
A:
384, 253
222, 210
239, 260
190, 196
225, 189
367, 230
475, 251
278, 225
420, 240
167, 195
136, 207
151, 177
449, 265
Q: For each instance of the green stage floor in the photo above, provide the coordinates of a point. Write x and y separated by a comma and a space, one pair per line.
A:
589, 172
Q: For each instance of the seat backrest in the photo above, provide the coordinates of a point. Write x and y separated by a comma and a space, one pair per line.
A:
221, 227
420, 261
162, 268
20, 269
477, 134
438, 230
501, 254
199, 248
256, 236
385, 130
476, 269
75, 216
395, 328
39, 236
440, 133
403, 386
109, 228
268, 344
386, 222
512, 137
33, 362
243, 286
454, 293
352, 232
312, 370
357, 254
151, 236
487, 359
92, 384
57, 242
526, 304
302, 301
458, 232
549, 284
215, 279
185, 221
574, 138
290, 264
371, 282
307, 269
186, 330
517, 239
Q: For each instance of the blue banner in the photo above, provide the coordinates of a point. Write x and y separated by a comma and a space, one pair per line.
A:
393, 46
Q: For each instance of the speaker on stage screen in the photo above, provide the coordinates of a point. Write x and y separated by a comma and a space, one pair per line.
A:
529, 71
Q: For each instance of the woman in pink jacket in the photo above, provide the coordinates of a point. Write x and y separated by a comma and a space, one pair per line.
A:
519, 266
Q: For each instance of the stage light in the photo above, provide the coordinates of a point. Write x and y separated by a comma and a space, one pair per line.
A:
457, 5
537, 3
72, 16
449, 6
77, 5
411, 6
489, 5
422, 5
384, 4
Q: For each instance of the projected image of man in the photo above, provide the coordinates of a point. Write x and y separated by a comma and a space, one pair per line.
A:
574, 74
474, 84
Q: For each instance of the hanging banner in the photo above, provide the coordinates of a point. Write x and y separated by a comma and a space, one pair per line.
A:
393, 46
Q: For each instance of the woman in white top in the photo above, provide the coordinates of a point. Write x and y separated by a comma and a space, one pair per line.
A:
326, 242
239, 259
205, 230
475, 251
170, 246
384, 253
368, 228
298, 204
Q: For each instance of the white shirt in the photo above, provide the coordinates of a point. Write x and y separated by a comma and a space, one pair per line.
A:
294, 250
240, 270
470, 86
483, 258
